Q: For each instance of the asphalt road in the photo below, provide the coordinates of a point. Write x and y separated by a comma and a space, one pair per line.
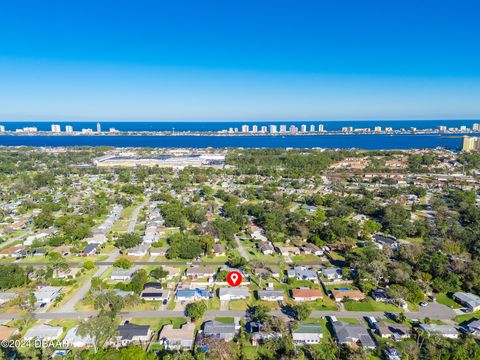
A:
206, 263
433, 311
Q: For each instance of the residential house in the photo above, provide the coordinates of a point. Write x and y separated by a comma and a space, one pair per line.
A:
158, 251
123, 293
310, 248
69, 273
257, 233
301, 273
307, 334
177, 339
12, 251
270, 294
47, 294
305, 294
219, 330
380, 295
266, 248
43, 332
232, 293
7, 332
122, 274
198, 272
219, 250
6, 297
392, 331
446, 331
288, 250
192, 295
172, 272
140, 250
353, 334
474, 327
332, 273
90, 249
341, 294
383, 241
153, 291
469, 300
260, 333
97, 238
72, 339
129, 333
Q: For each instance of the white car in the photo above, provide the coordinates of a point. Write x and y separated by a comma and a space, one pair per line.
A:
423, 303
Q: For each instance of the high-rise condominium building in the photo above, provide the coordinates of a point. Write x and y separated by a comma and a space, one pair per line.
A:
264, 129
254, 128
69, 129
283, 128
470, 143
245, 128
303, 128
293, 129
442, 128
378, 129
320, 128
56, 128
2, 128
99, 128
476, 127
273, 129
312, 128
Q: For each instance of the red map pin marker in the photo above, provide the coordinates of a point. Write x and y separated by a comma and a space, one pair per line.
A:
234, 278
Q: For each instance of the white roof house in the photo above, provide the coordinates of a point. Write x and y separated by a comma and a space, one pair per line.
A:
47, 294
74, 340
227, 294
307, 334
43, 331
446, 331
469, 300
6, 297
122, 274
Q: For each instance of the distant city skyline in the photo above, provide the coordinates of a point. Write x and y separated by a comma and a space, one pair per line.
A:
255, 61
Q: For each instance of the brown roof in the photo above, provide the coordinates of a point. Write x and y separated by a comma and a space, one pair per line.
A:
7, 332
306, 293
10, 250
351, 294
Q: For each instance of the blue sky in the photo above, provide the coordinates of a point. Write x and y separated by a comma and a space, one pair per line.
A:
239, 60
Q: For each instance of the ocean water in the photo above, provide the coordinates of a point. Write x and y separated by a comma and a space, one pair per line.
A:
367, 141
215, 126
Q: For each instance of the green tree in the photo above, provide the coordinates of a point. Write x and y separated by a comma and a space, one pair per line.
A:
302, 311
158, 273
99, 328
123, 263
196, 310
11, 276
127, 241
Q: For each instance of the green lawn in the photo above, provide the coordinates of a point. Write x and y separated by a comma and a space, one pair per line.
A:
225, 320
238, 305
349, 320
157, 324
370, 305
467, 317
445, 300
